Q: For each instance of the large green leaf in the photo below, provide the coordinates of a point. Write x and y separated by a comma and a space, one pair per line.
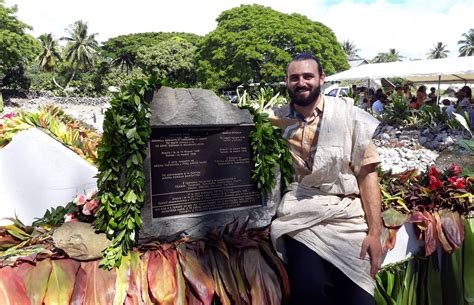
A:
393, 218
12, 289
451, 278
122, 281
468, 261
61, 281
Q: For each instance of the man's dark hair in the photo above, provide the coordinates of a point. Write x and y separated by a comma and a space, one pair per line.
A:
306, 56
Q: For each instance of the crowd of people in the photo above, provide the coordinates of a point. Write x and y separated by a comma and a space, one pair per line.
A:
377, 100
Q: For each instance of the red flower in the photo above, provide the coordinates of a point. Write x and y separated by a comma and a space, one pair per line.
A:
458, 183
433, 172
8, 115
435, 182
454, 169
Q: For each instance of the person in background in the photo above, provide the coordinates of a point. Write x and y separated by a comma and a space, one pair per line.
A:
378, 105
432, 98
420, 98
364, 98
353, 92
464, 99
407, 93
329, 218
449, 107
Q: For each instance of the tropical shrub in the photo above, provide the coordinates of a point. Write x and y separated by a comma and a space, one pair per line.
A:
435, 202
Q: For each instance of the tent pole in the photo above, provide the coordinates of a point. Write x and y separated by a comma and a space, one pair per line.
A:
439, 93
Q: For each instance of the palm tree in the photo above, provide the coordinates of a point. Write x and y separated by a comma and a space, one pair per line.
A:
350, 49
126, 61
81, 48
49, 55
438, 51
467, 45
391, 56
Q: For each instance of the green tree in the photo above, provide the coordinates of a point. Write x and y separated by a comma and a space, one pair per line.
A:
49, 55
391, 56
254, 43
438, 51
172, 60
81, 48
350, 49
467, 45
123, 49
17, 49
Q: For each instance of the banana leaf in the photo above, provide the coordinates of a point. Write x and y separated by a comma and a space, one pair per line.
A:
61, 281
468, 261
265, 286
227, 276
197, 273
12, 289
122, 281
219, 287
36, 281
162, 278
79, 293
100, 284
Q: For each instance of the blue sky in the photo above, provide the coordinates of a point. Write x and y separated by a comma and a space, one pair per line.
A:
412, 27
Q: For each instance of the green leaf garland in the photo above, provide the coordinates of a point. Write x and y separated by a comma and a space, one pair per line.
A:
121, 180
268, 146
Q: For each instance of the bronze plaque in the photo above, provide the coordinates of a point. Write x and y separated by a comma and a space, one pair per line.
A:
201, 169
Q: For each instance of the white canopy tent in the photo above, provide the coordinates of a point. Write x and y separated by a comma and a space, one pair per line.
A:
445, 70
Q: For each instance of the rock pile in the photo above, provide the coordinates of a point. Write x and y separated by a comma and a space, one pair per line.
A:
403, 149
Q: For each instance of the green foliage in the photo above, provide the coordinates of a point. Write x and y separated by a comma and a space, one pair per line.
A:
126, 46
54, 217
402, 283
438, 51
466, 45
390, 56
171, 59
121, 180
436, 118
50, 53
81, 48
397, 112
255, 43
268, 146
17, 48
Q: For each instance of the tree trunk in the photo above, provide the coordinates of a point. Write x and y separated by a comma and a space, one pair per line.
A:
70, 80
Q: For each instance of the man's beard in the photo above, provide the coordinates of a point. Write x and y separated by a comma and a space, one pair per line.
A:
307, 100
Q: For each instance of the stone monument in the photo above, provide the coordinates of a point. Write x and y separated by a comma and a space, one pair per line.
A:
199, 166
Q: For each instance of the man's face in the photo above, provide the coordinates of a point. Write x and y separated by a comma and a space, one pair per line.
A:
303, 82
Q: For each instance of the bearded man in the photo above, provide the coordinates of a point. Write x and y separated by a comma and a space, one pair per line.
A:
329, 219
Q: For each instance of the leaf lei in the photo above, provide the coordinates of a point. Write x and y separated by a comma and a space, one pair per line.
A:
121, 180
268, 146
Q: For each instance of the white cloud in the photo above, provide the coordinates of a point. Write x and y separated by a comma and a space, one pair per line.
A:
411, 28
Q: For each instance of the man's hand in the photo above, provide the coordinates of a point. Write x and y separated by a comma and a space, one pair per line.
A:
370, 197
372, 245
